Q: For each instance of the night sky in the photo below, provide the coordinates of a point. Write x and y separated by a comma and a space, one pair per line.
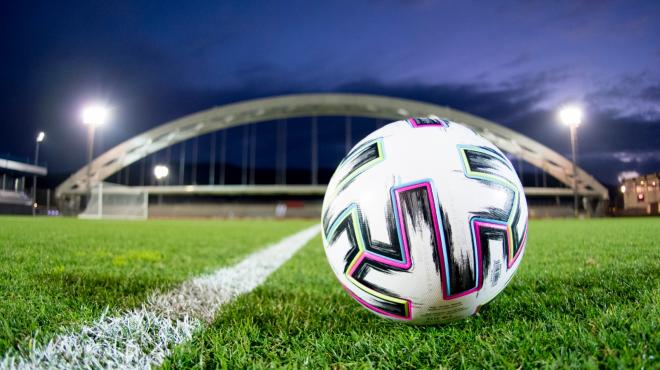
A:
513, 62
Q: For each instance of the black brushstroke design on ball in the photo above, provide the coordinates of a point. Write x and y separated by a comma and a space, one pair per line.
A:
428, 121
416, 214
391, 248
495, 165
395, 309
490, 164
461, 270
355, 159
517, 237
491, 234
346, 226
348, 169
493, 162
449, 241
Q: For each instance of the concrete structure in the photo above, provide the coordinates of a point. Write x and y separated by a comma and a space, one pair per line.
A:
641, 195
13, 196
316, 105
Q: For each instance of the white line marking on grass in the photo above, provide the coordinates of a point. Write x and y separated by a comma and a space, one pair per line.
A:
144, 337
201, 297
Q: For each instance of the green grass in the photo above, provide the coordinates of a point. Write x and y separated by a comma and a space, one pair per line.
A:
586, 296
58, 273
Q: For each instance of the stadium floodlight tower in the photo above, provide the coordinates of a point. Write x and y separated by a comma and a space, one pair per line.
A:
161, 172
571, 116
40, 138
92, 115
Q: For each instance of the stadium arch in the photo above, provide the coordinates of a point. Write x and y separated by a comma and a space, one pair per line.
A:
316, 105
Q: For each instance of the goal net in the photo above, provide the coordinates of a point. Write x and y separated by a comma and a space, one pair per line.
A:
112, 201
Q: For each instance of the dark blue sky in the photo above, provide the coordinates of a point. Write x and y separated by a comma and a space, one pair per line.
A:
513, 62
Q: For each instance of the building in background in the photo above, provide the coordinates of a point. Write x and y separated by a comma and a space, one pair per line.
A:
14, 197
641, 195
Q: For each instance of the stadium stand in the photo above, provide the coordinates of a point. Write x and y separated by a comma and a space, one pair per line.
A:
13, 174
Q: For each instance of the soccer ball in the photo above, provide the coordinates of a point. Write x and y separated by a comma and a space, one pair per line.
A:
424, 221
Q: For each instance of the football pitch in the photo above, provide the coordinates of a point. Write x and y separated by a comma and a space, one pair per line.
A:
586, 295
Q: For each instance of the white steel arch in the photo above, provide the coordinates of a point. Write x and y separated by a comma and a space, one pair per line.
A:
310, 105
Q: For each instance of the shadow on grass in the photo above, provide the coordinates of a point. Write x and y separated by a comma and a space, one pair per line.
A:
97, 289
574, 295
571, 297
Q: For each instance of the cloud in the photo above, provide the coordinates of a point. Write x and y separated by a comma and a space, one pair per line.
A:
501, 102
637, 157
625, 175
609, 141
626, 157
608, 166
148, 96
651, 93
520, 59
631, 95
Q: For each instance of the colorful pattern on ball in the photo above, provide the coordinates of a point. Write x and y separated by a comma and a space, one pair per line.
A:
485, 164
416, 264
358, 160
427, 122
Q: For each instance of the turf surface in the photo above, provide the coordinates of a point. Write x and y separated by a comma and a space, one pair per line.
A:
60, 272
586, 296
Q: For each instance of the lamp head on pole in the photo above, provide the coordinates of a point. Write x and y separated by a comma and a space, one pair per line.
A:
41, 136
571, 115
95, 114
161, 171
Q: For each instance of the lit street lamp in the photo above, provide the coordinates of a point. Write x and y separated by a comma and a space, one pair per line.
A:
571, 116
92, 116
161, 172
40, 138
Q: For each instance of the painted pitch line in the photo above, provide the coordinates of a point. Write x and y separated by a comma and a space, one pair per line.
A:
144, 337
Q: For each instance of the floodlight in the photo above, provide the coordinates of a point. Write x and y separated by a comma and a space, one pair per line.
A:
570, 115
95, 114
161, 171
41, 136
623, 188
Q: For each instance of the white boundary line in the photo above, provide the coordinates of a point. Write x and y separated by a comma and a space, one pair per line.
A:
144, 337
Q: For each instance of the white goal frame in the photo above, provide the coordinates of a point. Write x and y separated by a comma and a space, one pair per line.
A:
98, 209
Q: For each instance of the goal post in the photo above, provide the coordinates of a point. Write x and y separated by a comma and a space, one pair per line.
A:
112, 201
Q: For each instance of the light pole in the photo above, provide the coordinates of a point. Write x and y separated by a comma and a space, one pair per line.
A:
92, 116
571, 116
40, 138
161, 172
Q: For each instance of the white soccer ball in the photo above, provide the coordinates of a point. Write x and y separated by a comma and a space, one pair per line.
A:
424, 221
